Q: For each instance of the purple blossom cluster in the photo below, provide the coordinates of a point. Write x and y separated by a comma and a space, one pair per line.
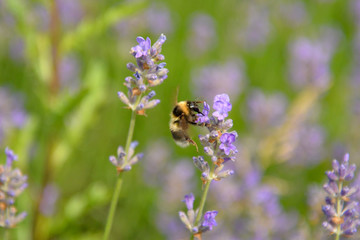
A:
12, 184
148, 72
207, 221
341, 209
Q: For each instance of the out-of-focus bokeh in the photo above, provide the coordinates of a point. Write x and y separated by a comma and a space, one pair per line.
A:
290, 67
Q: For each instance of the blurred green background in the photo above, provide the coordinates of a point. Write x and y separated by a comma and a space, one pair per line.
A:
72, 122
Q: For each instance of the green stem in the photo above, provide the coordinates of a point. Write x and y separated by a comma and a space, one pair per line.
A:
202, 202
130, 135
112, 210
119, 181
339, 210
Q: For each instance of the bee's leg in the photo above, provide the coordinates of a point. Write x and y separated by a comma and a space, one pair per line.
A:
193, 143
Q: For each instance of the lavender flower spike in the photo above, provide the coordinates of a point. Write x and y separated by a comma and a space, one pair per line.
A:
12, 184
341, 209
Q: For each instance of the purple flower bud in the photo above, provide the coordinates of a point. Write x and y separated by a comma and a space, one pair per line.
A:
142, 87
335, 165
201, 164
332, 176
159, 42
189, 201
151, 94
10, 156
139, 107
204, 118
329, 210
124, 99
331, 188
131, 67
151, 103
127, 168
151, 76
208, 151
185, 220
224, 174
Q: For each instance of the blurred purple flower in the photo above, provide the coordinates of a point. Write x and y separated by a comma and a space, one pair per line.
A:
159, 19
17, 49
307, 144
10, 157
355, 9
50, 197
228, 77
310, 60
265, 111
255, 211
172, 191
257, 28
70, 11
157, 155
230, 189
41, 16
171, 227
69, 70
202, 36
294, 13
12, 112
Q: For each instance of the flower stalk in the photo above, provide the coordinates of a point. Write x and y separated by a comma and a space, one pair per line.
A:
147, 73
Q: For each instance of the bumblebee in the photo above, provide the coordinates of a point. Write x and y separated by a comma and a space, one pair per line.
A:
183, 114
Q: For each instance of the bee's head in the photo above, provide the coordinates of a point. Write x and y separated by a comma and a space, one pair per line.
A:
193, 106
